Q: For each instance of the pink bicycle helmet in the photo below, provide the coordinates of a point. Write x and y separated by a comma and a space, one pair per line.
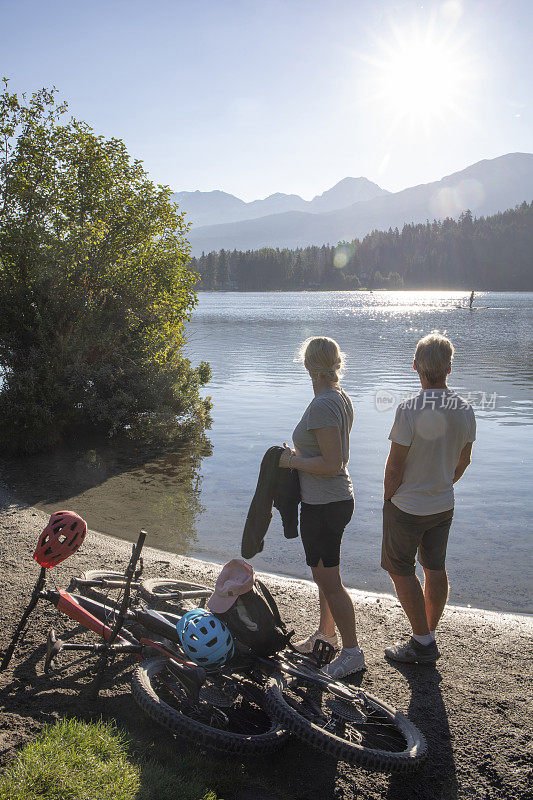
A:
61, 537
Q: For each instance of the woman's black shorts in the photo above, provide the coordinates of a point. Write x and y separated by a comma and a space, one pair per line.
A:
321, 528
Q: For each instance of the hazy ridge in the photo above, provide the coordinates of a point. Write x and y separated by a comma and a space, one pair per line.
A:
486, 187
212, 208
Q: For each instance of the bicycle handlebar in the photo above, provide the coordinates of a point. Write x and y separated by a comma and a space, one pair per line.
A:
136, 553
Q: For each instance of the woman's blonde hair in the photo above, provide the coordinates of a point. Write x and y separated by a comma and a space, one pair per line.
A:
322, 357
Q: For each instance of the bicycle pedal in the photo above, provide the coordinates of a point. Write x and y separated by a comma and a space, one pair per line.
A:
53, 648
322, 652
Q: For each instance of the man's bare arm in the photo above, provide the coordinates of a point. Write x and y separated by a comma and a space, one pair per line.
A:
464, 460
394, 469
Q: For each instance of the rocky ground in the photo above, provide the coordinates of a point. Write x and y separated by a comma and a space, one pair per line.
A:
474, 707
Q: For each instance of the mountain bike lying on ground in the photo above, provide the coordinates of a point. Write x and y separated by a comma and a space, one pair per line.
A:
245, 728
245, 706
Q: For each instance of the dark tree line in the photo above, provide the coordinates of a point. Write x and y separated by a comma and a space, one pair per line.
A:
493, 252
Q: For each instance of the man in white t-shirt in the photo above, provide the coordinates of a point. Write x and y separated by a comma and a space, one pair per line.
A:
431, 446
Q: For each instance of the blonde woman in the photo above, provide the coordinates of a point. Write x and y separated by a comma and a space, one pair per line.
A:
321, 452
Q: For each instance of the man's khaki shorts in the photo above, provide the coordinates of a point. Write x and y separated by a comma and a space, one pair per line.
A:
406, 534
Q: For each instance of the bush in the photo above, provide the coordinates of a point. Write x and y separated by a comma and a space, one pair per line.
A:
94, 288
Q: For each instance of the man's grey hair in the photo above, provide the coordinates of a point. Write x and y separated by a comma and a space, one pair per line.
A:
433, 357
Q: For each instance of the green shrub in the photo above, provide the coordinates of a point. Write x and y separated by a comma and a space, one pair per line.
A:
94, 288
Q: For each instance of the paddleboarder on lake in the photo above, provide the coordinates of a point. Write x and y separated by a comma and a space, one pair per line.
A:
471, 298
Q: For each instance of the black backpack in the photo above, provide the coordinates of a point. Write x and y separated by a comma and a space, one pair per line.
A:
254, 620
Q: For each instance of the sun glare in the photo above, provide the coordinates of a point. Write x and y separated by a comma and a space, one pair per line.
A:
420, 76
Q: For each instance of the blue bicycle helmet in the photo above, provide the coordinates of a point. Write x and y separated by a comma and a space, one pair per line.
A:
205, 639
194, 613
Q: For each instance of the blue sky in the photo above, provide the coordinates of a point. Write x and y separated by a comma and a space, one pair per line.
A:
285, 95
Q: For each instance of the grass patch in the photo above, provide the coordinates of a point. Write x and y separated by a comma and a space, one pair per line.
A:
75, 760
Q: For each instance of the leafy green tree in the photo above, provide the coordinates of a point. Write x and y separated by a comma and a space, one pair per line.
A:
94, 287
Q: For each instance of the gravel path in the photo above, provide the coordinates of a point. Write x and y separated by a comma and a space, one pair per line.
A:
474, 708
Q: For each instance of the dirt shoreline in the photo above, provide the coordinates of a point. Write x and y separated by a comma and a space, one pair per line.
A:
474, 707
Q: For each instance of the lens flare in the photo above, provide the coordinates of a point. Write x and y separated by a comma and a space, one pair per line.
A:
451, 200
340, 259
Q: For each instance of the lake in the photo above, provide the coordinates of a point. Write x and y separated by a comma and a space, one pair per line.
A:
259, 393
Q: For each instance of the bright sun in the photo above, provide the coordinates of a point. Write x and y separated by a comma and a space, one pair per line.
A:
420, 76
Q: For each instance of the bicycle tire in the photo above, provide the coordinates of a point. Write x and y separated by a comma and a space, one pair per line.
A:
102, 596
317, 716
265, 735
164, 592
96, 574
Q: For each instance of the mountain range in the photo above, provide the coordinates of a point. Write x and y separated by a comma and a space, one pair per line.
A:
353, 207
213, 208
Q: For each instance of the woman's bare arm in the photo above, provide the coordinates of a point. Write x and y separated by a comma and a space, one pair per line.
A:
329, 462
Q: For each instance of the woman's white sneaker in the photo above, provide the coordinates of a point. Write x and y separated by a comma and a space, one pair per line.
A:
345, 664
306, 645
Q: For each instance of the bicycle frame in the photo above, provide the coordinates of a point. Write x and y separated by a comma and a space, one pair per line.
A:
71, 606
92, 615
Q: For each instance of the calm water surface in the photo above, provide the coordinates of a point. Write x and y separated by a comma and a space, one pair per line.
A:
259, 394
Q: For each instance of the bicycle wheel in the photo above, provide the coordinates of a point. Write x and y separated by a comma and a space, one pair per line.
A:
363, 730
230, 717
164, 592
102, 595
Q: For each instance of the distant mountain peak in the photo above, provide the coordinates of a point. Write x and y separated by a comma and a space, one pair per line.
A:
346, 192
278, 195
217, 207
349, 181
197, 194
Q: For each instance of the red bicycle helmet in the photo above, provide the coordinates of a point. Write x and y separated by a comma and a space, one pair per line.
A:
61, 537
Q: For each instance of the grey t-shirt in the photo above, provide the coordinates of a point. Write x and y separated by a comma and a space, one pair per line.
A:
331, 408
435, 424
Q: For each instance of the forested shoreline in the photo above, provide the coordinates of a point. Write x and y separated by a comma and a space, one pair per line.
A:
493, 252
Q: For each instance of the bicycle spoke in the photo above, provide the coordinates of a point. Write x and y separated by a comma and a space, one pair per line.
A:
355, 722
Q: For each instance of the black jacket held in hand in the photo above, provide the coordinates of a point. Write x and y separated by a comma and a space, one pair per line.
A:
276, 487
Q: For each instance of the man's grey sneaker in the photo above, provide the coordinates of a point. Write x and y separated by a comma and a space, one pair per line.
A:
412, 652
306, 645
345, 664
